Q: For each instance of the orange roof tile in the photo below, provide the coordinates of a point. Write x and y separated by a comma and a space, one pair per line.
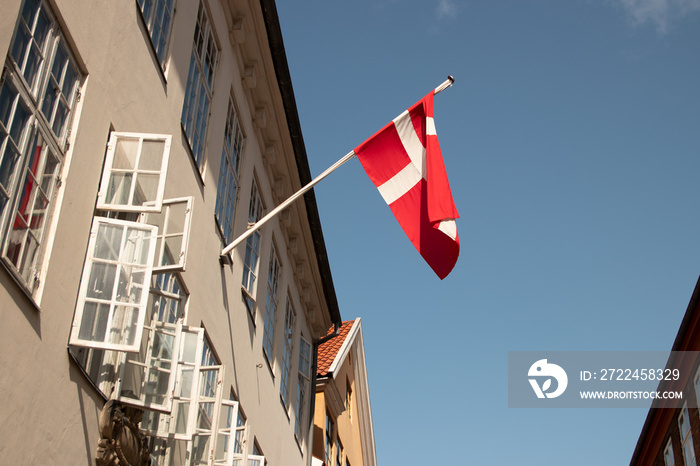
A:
328, 351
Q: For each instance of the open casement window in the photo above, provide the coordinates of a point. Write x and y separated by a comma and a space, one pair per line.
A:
206, 419
188, 434
171, 434
239, 439
227, 451
256, 460
113, 295
147, 378
134, 175
173, 222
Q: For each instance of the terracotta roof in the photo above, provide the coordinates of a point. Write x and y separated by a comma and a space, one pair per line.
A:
328, 351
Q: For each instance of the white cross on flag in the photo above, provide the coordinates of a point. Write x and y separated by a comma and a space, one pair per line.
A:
404, 161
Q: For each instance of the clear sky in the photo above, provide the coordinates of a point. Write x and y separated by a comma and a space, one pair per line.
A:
572, 141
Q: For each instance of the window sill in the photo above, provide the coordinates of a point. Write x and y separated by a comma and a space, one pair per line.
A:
269, 365
21, 285
200, 175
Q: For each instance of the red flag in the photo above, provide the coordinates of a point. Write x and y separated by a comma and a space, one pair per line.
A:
404, 162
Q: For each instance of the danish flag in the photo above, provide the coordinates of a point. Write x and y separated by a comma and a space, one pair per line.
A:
404, 162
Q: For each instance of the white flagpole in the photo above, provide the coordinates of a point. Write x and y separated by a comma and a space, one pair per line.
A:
256, 226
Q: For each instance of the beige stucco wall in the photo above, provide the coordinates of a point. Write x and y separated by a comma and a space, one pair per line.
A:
48, 410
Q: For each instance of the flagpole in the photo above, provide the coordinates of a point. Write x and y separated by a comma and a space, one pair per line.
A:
448, 83
256, 226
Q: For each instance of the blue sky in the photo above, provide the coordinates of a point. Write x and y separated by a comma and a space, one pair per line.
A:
571, 138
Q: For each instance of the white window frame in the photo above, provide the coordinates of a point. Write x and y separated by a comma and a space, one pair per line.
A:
227, 434
687, 446
227, 187
273, 276
151, 363
140, 306
148, 205
45, 80
162, 221
204, 59
170, 325
289, 330
161, 43
253, 245
197, 394
303, 384
207, 404
255, 460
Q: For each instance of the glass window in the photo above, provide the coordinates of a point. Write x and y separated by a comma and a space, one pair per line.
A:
302, 387
158, 16
686, 437
271, 306
252, 251
200, 86
329, 439
134, 175
32, 43
188, 434
147, 378
227, 189
348, 399
669, 460
39, 77
289, 323
113, 293
338, 452
257, 458
173, 222
209, 397
230, 435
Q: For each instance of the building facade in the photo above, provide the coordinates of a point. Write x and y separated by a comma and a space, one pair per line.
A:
137, 139
671, 433
343, 427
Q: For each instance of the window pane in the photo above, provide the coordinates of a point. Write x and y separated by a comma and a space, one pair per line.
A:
146, 188
151, 155
125, 153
